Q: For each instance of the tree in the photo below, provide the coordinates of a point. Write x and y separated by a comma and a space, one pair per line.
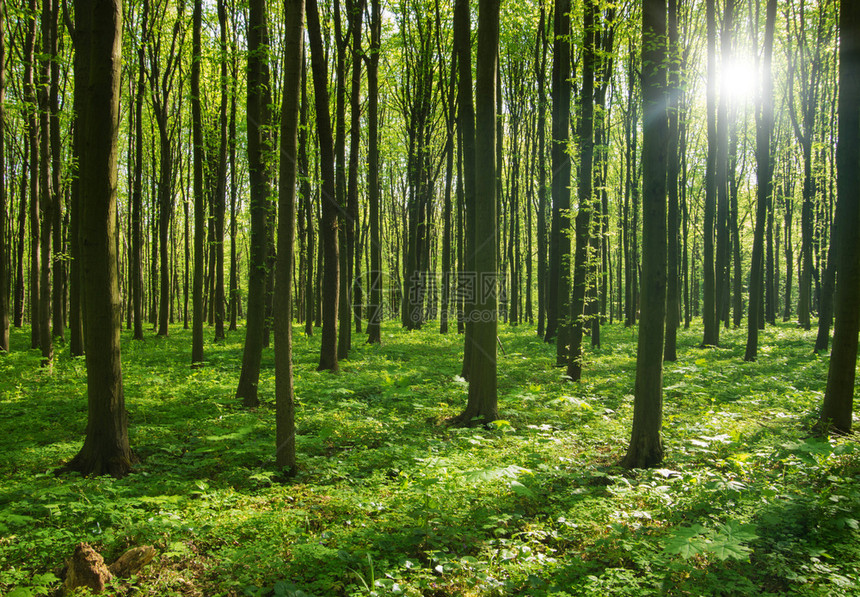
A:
374, 317
482, 402
466, 125
710, 315
199, 214
836, 411
285, 447
558, 300
583, 216
136, 257
4, 246
330, 208
646, 447
106, 447
259, 118
764, 180
220, 198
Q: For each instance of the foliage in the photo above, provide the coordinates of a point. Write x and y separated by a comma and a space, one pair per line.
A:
390, 501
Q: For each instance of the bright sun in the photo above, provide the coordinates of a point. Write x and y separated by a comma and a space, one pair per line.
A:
740, 80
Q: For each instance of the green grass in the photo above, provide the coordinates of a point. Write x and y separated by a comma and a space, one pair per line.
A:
388, 500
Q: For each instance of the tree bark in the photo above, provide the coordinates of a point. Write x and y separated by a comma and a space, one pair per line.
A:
199, 210
482, 401
646, 447
285, 450
106, 448
764, 180
586, 199
330, 207
836, 412
259, 146
374, 335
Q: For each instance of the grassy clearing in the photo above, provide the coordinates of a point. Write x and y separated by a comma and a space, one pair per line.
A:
390, 501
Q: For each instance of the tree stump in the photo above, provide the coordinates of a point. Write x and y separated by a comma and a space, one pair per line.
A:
132, 561
86, 568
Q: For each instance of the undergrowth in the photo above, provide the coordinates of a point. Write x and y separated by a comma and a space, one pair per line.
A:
390, 501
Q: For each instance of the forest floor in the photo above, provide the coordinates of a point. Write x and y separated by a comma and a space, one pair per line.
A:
390, 500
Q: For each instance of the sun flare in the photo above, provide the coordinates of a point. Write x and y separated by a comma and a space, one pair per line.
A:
740, 80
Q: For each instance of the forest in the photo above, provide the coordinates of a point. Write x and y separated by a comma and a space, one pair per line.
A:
412, 297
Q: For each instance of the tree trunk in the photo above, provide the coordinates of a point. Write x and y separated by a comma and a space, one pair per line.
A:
558, 305
583, 216
259, 145
106, 448
199, 215
329, 221
836, 412
673, 294
710, 314
542, 274
374, 316
220, 199
29, 90
462, 46
482, 402
646, 447
764, 180
285, 448
4, 244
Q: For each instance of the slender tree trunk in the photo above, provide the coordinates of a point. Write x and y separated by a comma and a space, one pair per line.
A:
199, 215
220, 199
542, 274
285, 450
723, 256
259, 145
30, 101
711, 335
374, 335
356, 12
4, 244
673, 290
329, 221
558, 307
586, 199
136, 281
764, 180
466, 120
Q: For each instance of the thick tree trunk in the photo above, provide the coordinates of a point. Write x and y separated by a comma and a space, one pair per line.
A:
482, 402
646, 448
836, 412
106, 448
